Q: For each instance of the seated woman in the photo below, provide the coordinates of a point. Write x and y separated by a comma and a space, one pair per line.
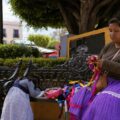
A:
17, 102
85, 105
106, 103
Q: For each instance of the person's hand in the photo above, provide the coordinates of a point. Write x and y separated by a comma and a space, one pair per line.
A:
92, 59
99, 63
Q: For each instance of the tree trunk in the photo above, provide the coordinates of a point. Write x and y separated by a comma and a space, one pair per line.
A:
88, 15
68, 17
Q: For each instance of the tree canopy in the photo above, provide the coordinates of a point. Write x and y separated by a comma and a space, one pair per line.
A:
38, 13
43, 40
77, 15
40, 40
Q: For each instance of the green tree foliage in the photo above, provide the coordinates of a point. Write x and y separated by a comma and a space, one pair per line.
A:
77, 15
40, 40
14, 51
39, 62
38, 13
52, 44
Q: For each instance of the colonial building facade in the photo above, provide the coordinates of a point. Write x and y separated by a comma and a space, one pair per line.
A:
11, 31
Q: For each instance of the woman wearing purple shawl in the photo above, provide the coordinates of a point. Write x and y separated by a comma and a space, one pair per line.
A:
106, 104
85, 105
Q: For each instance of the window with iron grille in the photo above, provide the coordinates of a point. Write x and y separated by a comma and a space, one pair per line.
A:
15, 33
4, 33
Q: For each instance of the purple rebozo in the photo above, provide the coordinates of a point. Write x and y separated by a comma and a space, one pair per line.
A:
79, 103
81, 100
106, 104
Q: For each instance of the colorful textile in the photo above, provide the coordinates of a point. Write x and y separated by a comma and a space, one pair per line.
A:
73, 117
106, 104
69, 91
79, 102
53, 93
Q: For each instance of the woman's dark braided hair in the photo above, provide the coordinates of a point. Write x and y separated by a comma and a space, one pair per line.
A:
115, 20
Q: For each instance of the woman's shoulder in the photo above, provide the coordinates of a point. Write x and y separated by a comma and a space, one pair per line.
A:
110, 45
106, 48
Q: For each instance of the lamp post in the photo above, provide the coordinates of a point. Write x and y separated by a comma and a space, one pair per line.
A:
1, 23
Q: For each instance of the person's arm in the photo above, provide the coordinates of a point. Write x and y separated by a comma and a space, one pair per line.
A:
111, 67
36, 93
